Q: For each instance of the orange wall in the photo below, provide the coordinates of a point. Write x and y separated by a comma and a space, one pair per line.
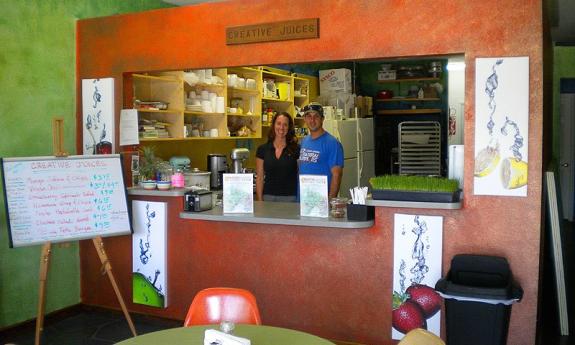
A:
194, 37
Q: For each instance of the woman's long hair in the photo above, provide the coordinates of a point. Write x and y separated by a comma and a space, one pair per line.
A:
291, 140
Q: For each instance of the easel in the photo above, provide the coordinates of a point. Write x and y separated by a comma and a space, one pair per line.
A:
57, 141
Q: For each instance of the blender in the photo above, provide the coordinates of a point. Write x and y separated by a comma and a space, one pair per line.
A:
239, 156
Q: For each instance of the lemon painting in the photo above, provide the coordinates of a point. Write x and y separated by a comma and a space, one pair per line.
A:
501, 126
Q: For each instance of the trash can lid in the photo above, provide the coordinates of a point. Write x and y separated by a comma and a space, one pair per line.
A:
481, 294
480, 271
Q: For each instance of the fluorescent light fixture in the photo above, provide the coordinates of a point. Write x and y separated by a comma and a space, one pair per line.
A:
455, 66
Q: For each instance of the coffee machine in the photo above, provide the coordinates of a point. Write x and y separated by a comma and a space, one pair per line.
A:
217, 166
239, 156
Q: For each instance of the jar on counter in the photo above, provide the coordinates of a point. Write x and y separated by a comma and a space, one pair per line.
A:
337, 207
178, 178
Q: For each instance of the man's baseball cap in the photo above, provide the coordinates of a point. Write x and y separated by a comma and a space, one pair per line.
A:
313, 107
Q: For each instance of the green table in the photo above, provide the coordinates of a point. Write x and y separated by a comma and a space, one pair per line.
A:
259, 335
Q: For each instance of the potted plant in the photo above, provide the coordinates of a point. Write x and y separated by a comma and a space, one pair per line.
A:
414, 188
148, 167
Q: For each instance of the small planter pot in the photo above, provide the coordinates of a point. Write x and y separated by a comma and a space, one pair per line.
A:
400, 195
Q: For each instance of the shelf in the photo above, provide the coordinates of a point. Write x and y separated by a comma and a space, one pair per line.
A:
407, 80
244, 115
276, 100
300, 96
158, 139
154, 77
169, 111
205, 85
240, 89
409, 100
414, 204
199, 113
408, 111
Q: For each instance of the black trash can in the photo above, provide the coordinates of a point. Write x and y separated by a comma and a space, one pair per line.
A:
478, 292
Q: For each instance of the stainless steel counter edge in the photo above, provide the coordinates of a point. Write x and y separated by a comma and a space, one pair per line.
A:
282, 213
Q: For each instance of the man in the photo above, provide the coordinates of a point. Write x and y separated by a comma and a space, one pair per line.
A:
321, 153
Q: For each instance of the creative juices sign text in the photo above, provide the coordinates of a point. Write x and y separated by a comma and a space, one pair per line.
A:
278, 31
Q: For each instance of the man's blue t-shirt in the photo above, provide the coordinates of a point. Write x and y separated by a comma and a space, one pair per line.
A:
318, 156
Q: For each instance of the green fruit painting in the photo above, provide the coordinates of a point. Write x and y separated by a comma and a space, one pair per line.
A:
144, 292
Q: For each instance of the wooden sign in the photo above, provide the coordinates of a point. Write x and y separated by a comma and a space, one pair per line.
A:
277, 31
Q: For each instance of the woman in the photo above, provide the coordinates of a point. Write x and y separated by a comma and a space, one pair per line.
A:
276, 162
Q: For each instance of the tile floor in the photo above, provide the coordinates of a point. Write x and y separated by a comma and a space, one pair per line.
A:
84, 325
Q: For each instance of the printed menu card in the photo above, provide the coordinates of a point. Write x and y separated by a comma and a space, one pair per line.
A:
238, 193
313, 196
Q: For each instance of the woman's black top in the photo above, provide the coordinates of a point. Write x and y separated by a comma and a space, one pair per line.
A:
281, 175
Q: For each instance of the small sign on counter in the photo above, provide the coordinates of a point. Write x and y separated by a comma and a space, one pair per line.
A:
313, 196
238, 193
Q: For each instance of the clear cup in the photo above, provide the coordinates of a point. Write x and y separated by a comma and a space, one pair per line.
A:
338, 207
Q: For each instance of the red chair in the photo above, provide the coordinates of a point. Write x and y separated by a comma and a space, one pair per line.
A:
213, 305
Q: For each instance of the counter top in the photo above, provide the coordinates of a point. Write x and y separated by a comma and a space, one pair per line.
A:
156, 192
283, 213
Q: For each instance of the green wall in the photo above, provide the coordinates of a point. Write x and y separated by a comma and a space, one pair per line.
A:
37, 83
563, 67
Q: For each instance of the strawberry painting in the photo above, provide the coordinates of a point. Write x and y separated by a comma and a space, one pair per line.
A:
426, 297
406, 314
417, 261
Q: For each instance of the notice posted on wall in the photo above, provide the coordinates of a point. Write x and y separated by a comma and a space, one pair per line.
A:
52, 199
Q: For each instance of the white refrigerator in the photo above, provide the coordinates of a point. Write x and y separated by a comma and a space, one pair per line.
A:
356, 137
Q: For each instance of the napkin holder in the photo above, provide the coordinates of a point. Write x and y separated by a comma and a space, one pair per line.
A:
360, 213
213, 336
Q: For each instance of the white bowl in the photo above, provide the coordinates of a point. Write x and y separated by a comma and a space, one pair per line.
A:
149, 184
164, 185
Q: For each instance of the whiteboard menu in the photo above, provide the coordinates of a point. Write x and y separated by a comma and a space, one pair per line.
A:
53, 199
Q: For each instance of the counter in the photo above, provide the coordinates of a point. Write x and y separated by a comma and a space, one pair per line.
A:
283, 213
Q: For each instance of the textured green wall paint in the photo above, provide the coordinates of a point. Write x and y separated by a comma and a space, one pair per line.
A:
37, 83
563, 67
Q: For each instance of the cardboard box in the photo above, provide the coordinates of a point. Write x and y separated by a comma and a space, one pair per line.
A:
335, 80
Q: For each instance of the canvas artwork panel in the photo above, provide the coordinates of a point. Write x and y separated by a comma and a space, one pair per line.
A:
501, 126
149, 253
98, 116
417, 252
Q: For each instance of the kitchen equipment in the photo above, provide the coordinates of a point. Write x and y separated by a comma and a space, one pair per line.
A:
180, 162
239, 156
198, 200
384, 94
356, 137
217, 166
435, 69
197, 178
